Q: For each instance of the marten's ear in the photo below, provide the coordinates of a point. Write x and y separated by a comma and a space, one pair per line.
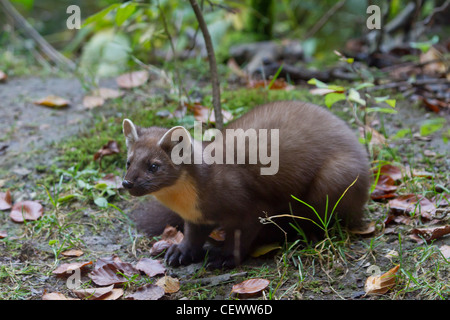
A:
177, 142
130, 132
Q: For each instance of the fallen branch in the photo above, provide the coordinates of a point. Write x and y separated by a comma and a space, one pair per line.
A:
46, 48
323, 20
212, 64
416, 83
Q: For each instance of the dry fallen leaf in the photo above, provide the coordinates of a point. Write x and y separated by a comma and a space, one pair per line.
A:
385, 188
90, 102
3, 76
107, 93
55, 296
93, 293
132, 79
3, 234
250, 287
67, 268
428, 234
108, 149
107, 275
218, 234
365, 230
169, 237
205, 114
377, 285
147, 292
5, 200
72, 253
52, 101
390, 170
150, 267
26, 210
169, 284
412, 203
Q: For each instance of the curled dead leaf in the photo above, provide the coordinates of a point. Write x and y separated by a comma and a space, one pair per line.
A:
90, 102
66, 269
169, 284
72, 253
93, 293
412, 203
52, 101
147, 292
169, 237
132, 79
250, 287
380, 284
26, 210
3, 76
5, 200
150, 267
55, 296
385, 188
430, 233
110, 148
3, 234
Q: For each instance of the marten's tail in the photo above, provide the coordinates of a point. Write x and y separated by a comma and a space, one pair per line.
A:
151, 217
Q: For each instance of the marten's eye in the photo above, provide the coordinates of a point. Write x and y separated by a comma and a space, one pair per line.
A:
153, 167
128, 164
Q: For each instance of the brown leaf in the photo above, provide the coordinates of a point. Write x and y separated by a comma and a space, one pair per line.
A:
115, 294
67, 268
250, 287
72, 253
107, 93
3, 76
377, 285
108, 149
5, 200
218, 234
410, 203
26, 210
367, 229
385, 188
90, 102
147, 292
3, 234
169, 284
150, 267
93, 293
107, 275
169, 237
159, 246
390, 170
55, 296
132, 79
52, 101
278, 84
429, 234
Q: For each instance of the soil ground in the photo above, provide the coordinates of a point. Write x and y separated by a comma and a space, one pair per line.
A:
31, 143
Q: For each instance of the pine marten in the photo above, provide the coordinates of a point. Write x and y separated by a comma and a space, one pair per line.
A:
314, 157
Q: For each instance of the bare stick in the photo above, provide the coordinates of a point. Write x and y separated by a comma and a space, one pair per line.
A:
51, 53
212, 64
324, 19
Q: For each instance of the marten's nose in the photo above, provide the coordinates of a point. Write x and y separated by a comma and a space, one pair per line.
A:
127, 184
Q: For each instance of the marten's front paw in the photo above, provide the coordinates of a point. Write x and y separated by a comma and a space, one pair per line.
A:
179, 254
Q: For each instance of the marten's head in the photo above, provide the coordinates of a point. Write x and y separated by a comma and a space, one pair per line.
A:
151, 165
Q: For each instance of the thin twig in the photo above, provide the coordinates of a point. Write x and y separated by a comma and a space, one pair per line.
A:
323, 20
212, 64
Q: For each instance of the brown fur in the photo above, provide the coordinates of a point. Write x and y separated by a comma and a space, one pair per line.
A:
319, 157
